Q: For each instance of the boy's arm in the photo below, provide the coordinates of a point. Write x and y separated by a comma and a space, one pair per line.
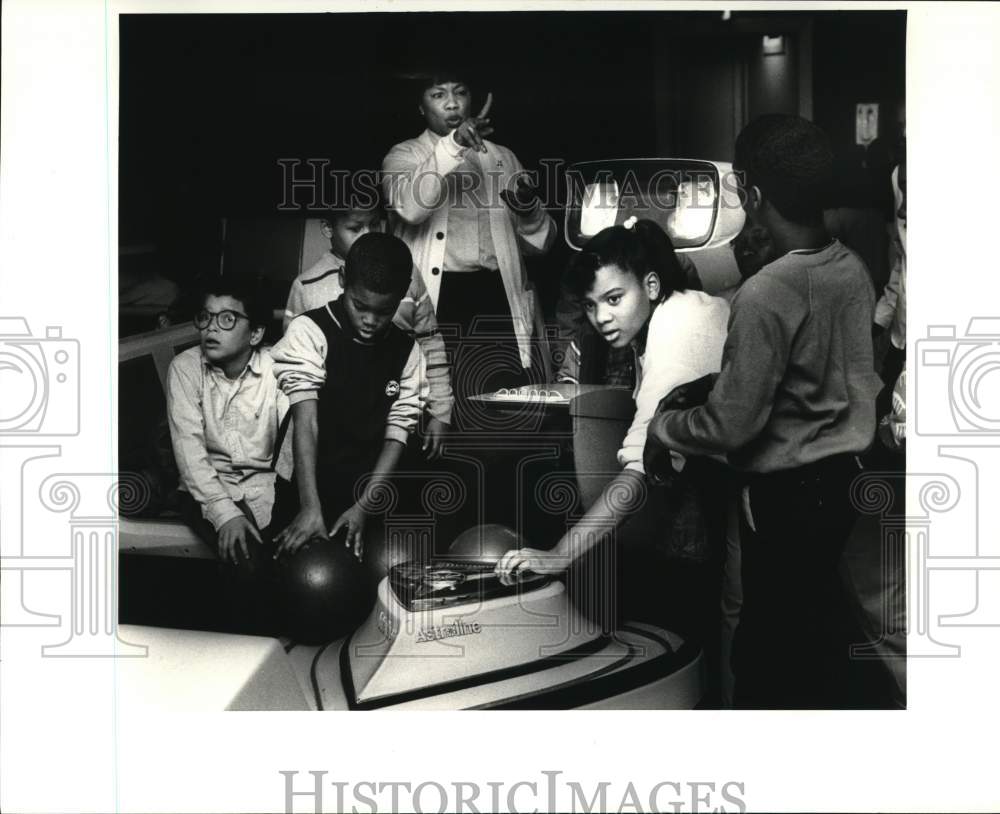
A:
305, 438
740, 403
420, 320
300, 360
300, 368
295, 305
388, 459
414, 189
187, 436
440, 398
308, 523
354, 518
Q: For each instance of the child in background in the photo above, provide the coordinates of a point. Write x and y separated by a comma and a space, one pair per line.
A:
323, 282
224, 410
356, 383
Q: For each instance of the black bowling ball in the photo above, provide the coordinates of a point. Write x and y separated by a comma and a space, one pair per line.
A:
325, 592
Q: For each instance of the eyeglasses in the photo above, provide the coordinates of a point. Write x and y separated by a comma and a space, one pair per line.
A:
226, 320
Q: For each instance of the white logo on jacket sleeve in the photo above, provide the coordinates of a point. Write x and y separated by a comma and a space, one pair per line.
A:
392, 388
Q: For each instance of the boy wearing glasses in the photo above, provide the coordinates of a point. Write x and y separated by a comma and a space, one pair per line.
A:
225, 409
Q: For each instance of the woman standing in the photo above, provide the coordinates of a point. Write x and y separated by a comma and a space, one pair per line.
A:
464, 207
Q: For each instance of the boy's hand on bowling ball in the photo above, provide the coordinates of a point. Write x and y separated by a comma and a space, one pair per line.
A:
307, 525
234, 535
474, 129
434, 434
511, 564
354, 521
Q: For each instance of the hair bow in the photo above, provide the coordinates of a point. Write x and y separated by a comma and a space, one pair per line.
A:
630, 222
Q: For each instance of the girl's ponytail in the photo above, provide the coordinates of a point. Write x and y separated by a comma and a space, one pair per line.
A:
662, 259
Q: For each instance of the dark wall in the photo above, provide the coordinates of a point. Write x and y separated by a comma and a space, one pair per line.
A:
772, 79
700, 91
855, 63
211, 103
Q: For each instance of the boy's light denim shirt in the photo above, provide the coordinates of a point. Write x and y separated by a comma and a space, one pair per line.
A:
224, 433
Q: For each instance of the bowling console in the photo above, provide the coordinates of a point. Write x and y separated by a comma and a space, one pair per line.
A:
450, 635
444, 635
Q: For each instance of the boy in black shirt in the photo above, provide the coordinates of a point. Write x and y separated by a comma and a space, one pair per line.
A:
356, 384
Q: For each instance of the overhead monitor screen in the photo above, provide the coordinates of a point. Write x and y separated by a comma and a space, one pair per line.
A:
682, 196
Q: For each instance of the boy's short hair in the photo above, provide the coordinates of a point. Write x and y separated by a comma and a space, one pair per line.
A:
639, 250
790, 160
336, 213
247, 289
380, 263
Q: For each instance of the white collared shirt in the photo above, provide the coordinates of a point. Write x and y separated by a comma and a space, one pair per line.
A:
224, 433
